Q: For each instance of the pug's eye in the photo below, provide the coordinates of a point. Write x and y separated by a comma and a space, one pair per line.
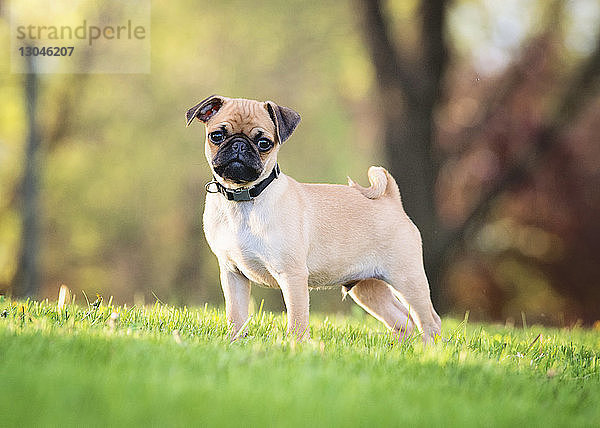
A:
216, 137
264, 144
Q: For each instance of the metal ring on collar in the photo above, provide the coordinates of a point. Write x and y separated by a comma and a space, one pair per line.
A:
216, 188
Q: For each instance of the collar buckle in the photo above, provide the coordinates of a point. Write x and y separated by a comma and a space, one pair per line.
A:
242, 194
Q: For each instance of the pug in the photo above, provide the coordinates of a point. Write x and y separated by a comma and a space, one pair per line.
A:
267, 228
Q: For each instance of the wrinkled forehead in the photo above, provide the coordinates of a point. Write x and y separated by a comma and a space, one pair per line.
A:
243, 116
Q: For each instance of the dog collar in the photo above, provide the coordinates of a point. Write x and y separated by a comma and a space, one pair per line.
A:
243, 193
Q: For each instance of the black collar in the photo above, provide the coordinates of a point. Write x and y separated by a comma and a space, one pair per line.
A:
243, 193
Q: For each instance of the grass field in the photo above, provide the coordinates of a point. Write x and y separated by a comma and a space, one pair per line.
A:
161, 365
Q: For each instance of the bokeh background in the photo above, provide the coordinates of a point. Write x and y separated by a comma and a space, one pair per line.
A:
487, 113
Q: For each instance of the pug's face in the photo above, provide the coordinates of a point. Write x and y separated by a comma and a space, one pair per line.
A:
241, 141
242, 137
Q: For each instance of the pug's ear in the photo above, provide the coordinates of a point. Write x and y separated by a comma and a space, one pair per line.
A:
284, 118
205, 109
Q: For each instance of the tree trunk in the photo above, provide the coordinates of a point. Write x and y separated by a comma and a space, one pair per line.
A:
26, 281
409, 92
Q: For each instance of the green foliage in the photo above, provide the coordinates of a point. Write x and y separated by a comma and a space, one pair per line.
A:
101, 364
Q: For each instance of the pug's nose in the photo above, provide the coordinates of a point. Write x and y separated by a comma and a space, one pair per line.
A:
239, 146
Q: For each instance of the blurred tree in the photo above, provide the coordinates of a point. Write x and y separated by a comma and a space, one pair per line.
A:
539, 208
26, 281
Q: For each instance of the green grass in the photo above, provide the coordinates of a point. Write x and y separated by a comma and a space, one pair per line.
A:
162, 365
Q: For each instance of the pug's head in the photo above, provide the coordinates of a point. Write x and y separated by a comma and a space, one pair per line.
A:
242, 137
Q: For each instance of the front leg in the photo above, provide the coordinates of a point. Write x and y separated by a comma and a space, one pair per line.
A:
236, 289
295, 294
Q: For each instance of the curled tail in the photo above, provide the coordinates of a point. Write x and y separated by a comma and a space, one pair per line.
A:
382, 184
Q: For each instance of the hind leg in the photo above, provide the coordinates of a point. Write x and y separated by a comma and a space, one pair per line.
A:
375, 297
413, 288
